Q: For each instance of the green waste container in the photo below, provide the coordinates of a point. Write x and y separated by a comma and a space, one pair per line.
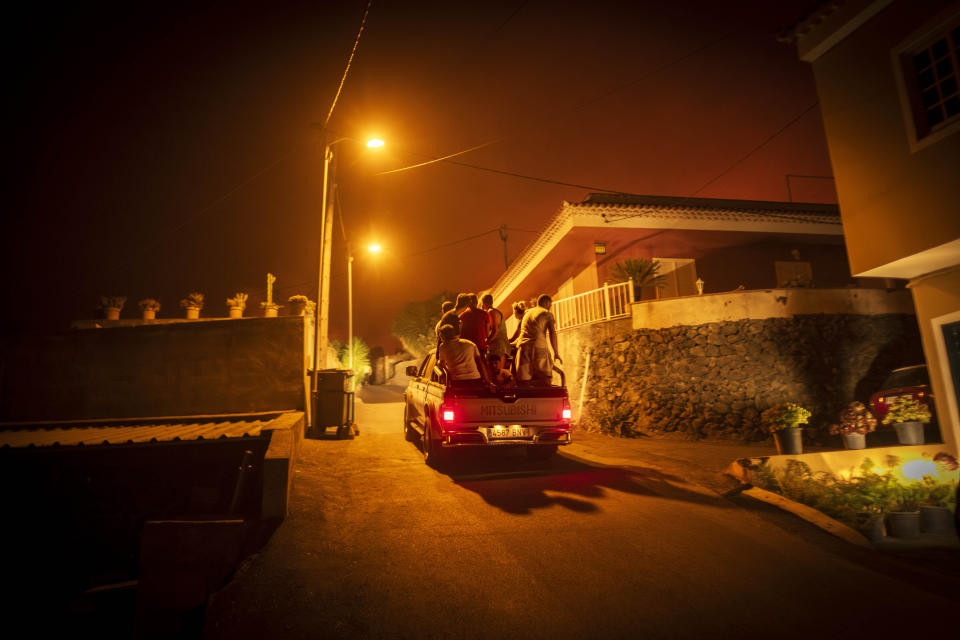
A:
333, 402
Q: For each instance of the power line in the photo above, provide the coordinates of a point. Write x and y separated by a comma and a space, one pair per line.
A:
346, 70
757, 148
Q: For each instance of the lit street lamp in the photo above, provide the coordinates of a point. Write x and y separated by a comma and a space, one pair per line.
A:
321, 319
373, 248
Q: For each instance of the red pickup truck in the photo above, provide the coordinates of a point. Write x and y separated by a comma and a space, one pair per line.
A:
444, 418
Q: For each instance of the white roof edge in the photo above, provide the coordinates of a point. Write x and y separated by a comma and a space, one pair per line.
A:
573, 215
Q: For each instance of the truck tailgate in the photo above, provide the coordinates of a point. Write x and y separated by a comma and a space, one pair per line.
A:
529, 408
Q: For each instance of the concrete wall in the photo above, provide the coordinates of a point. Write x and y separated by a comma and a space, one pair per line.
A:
229, 366
896, 199
768, 303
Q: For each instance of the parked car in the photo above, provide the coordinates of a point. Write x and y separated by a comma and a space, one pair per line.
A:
912, 381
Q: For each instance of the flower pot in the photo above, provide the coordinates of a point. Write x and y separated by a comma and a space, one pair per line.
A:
904, 524
937, 520
855, 440
789, 441
112, 313
236, 312
193, 313
149, 314
874, 529
270, 312
909, 432
298, 308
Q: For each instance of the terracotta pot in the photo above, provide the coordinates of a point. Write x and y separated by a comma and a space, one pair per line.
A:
855, 440
112, 313
236, 312
193, 313
298, 308
789, 441
149, 314
270, 312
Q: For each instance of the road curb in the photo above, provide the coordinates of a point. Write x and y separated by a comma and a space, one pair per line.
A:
809, 514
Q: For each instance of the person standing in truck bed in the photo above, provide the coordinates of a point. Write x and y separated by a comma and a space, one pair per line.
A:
475, 325
497, 342
538, 332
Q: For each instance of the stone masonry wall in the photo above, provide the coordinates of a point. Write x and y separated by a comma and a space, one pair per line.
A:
714, 380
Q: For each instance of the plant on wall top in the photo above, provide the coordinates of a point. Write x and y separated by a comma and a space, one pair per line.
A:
907, 409
856, 418
194, 299
298, 299
112, 302
645, 273
785, 415
238, 301
149, 304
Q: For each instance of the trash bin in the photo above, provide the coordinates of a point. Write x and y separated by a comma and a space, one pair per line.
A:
332, 402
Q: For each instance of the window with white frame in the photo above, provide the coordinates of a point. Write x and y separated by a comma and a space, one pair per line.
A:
931, 71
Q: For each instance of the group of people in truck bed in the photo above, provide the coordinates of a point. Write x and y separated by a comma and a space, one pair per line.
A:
474, 349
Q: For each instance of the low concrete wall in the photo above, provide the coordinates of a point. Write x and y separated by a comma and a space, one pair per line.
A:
767, 303
182, 368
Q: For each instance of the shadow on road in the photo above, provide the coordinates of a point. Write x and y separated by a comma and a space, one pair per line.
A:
508, 481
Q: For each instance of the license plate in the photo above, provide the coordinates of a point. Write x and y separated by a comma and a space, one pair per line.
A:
512, 431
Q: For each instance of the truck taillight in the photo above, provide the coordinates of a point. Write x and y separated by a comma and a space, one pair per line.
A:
566, 414
447, 414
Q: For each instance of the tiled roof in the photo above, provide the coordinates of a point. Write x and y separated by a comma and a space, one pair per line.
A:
133, 431
705, 208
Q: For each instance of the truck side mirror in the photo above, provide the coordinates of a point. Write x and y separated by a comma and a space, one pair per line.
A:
412, 371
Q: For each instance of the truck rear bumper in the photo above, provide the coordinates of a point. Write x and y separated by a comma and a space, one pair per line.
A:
545, 437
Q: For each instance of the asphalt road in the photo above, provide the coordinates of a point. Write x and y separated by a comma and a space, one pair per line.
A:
379, 545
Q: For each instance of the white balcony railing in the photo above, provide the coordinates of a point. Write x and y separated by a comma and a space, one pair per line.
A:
605, 303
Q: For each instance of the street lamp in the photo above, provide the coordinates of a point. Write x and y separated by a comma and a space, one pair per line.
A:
321, 318
373, 248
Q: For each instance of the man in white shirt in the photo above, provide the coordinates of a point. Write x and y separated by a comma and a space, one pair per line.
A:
461, 359
534, 362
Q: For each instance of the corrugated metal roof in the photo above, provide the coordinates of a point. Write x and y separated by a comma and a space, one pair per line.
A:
85, 433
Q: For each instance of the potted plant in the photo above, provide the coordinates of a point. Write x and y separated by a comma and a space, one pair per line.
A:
644, 273
237, 304
299, 304
193, 303
855, 422
903, 521
149, 308
783, 421
935, 516
908, 416
111, 306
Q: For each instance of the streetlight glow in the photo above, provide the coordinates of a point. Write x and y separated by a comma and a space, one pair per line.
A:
374, 248
375, 143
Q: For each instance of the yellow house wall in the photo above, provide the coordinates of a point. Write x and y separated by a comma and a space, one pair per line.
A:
935, 296
895, 202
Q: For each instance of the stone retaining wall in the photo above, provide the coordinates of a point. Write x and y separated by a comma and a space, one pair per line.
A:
714, 379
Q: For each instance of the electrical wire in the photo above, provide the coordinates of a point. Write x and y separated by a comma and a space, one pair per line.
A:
434, 160
757, 148
346, 70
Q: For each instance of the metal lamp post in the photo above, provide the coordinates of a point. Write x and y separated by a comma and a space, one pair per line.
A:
321, 317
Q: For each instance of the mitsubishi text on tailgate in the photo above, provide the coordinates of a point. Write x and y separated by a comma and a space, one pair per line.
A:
444, 417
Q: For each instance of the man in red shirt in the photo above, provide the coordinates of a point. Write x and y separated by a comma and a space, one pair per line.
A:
475, 325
